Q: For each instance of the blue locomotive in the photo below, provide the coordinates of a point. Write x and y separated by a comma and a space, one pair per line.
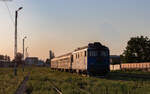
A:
90, 59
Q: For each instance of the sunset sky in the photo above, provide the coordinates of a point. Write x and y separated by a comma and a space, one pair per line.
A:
63, 25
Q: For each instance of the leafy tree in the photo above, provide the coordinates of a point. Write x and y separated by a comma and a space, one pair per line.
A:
1, 57
5, 58
137, 50
19, 58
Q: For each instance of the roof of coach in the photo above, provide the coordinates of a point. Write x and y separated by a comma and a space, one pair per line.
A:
61, 56
64, 55
81, 48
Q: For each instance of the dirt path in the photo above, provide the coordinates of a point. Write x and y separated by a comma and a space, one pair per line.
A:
22, 88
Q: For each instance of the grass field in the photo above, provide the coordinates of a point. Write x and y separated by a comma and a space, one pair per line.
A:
40, 83
8, 82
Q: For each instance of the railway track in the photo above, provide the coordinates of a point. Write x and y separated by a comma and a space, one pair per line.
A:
22, 87
135, 76
82, 90
56, 88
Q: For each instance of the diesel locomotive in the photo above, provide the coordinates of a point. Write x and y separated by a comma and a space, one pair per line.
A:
90, 59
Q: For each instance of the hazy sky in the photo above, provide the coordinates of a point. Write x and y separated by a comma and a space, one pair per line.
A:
63, 25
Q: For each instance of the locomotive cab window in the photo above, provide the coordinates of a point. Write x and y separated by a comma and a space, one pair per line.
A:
103, 53
93, 53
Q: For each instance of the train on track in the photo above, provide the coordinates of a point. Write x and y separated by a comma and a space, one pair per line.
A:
90, 59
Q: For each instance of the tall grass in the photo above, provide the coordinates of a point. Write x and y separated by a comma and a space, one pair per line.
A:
8, 82
40, 83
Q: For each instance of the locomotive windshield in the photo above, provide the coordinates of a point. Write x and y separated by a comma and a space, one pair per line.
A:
102, 53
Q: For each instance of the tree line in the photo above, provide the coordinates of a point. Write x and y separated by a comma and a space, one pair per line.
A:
137, 50
4, 58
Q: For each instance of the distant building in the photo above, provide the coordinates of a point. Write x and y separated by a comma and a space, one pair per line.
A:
5, 61
40, 63
31, 60
115, 59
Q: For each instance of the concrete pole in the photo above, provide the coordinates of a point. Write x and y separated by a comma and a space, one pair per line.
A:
15, 48
23, 46
23, 54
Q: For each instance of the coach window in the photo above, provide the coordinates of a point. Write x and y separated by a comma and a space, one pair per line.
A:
71, 58
79, 55
85, 53
74, 56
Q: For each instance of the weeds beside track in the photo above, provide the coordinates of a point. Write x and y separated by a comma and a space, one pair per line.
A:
22, 87
68, 83
8, 82
46, 81
55, 88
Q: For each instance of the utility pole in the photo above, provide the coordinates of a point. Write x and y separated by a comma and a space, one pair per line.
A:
23, 46
23, 54
15, 48
27, 54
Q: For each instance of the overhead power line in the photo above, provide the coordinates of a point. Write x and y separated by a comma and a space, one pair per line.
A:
9, 13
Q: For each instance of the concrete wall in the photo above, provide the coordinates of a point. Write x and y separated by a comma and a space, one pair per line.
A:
145, 65
136, 65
